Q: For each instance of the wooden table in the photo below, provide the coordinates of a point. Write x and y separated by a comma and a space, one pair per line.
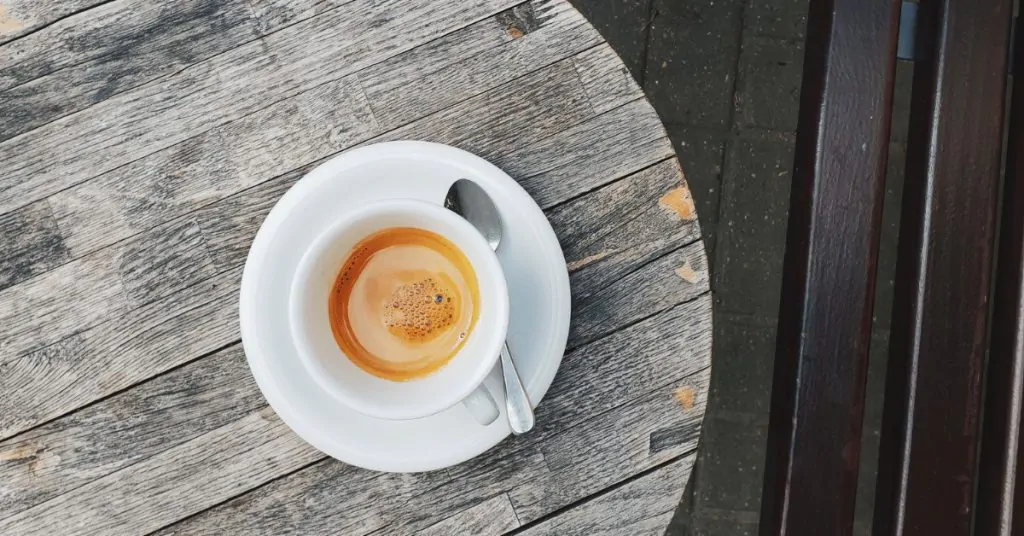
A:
141, 144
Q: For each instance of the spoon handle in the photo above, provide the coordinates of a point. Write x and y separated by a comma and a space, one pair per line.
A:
520, 412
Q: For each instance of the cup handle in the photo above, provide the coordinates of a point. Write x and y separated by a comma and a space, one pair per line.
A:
481, 404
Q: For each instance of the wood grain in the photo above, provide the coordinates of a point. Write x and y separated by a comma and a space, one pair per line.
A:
45, 309
85, 59
100, 286
229, 225
417, 88
613, 446
275, 140
607, 82
31, 242
640, 291
594, 153
599, 245
272, 15
149, 143
493, 516
118, 353
584, 390
208, 167
330, 497
641, 507
225, 87
137, 499
20, 17
125, 429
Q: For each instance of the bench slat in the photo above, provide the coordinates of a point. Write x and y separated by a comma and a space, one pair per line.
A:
930, 424
829, 270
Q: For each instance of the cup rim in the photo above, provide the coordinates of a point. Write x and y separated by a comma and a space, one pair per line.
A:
494, 333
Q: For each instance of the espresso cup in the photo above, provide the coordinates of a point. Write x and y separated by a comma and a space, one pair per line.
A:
460, 379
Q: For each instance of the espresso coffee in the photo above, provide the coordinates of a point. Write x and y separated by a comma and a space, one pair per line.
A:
403, 303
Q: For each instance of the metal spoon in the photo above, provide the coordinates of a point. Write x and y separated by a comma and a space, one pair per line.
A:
467, 199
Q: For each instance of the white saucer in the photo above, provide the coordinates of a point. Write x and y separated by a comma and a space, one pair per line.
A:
529, 253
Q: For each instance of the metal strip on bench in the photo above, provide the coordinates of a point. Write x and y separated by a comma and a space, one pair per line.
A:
829, 272
930, 425
1001, 467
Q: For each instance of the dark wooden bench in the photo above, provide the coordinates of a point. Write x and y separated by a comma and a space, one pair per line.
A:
951, 429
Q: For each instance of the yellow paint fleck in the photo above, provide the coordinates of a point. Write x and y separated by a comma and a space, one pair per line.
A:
513, 32
44, 461
687, 273
18, 453
679, 202
685, 395
589, 259
8, 24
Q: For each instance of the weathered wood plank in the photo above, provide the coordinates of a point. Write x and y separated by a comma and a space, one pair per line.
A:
225, 87
163, 260
137, 499
549, 98
639, 291
228, 227
641, 507
231, 225
213, 165
279, 138
47, 308
610, 449
607, 81
118, 353
582, 387
101, 286
584, 157
85, 59
125, 429
31, 243
551, 30
591, 400
630, 363
493, 516
272, 15
20, 17
593, 231
332, 498
152, 197
435, 55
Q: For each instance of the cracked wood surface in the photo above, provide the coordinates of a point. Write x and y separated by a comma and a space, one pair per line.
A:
141, 145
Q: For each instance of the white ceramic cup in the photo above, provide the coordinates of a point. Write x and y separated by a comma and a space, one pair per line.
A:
460, 380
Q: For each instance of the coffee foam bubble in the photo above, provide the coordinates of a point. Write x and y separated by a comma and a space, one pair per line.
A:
418, 312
